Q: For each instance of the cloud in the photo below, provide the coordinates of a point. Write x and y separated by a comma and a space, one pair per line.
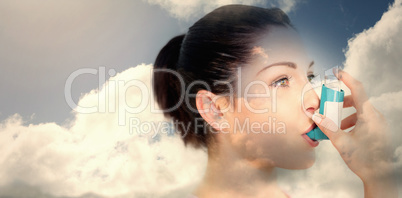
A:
187, 10
376, 51
374, 57
58, 37
328, 177
96, 154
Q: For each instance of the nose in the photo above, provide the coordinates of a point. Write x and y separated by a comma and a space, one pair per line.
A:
310, 101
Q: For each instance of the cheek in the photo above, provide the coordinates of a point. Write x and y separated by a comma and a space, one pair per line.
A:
288, 106
259, 104
259, 99
271, 137
253, 146
262, 115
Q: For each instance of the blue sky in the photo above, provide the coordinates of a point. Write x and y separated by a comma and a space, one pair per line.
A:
42, 44
328, 25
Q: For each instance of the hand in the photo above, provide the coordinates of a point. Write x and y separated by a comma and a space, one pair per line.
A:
365, 149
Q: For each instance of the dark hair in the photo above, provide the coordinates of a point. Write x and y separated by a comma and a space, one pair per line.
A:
210, 52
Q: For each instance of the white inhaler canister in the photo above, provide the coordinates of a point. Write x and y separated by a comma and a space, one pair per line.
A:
331, 105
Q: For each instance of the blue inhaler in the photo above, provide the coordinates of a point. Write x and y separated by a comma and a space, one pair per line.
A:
331, 105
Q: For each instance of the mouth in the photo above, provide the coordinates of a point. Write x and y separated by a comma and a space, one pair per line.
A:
312, 143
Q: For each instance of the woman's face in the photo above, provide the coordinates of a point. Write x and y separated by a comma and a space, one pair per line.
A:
267, 129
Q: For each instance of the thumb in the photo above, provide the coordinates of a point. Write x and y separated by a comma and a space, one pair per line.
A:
327, 126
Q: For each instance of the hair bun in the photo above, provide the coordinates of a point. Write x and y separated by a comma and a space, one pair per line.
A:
165, 83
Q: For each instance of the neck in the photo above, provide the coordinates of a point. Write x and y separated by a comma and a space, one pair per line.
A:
230, 175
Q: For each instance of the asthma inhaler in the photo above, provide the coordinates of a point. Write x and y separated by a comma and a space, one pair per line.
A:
331, 105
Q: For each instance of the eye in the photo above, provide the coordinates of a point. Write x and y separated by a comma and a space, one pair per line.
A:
283, 82
310, 77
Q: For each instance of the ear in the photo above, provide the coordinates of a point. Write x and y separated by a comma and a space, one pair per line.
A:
209, 109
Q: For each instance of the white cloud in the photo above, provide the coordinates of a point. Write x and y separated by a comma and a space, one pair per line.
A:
95, 154
390, 104
329, 177
374, 57
186, 10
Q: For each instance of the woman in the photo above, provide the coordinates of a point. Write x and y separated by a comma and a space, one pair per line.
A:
234, 84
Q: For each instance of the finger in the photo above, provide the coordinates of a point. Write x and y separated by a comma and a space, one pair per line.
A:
358, 94
349, 121
327, 126
348, 101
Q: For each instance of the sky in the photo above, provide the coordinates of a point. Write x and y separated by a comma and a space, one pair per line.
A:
43, 43
49, 148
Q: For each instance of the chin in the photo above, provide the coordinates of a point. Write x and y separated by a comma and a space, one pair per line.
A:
299, 164
308, 163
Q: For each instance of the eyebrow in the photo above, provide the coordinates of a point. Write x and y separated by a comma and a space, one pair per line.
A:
288, 64
311, 64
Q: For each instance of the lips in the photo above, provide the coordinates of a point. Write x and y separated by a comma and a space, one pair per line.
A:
312, 143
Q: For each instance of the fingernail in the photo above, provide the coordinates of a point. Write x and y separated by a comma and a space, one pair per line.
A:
337, 73
309, 114
317, 118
